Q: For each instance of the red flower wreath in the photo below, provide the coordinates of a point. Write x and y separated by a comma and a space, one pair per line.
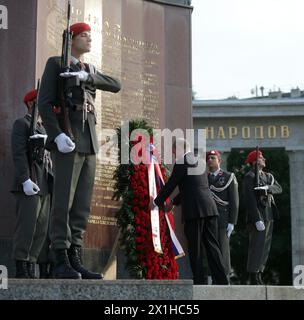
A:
156, 266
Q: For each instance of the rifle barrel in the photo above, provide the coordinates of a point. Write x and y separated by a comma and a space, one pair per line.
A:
69, 10
257, 175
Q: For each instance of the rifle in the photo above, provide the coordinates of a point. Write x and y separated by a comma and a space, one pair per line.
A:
257, 175
36, 146
65, 84
34, 118
258, 193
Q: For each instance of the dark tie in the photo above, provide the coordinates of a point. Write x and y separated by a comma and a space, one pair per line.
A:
212, 177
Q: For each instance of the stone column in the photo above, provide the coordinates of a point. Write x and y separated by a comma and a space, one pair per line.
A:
296, 164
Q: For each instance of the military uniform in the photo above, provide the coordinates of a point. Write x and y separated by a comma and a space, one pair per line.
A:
74, 171
32, 211
260, 207
224, 188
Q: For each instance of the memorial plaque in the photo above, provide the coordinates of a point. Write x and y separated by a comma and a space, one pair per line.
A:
133, 54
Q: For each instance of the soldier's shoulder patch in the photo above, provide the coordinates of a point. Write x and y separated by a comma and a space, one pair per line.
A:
221, 180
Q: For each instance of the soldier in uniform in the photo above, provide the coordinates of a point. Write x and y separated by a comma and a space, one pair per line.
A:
74, 154
224, 189
261, 212
31, 188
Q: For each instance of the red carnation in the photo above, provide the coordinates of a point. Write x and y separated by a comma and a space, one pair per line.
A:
142, 204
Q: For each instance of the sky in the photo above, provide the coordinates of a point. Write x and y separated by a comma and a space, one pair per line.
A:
241, 45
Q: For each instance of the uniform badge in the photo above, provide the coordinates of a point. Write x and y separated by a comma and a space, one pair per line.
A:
221, 181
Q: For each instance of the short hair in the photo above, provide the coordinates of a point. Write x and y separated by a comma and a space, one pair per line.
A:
182, 143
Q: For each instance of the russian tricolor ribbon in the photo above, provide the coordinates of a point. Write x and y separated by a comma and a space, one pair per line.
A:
155, 227
154, 176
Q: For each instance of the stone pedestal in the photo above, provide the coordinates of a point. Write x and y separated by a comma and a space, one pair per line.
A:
97, 290
296, 165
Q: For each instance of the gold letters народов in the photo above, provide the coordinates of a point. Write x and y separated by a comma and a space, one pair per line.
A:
248, 132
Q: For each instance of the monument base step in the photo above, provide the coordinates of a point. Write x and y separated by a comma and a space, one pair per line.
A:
140, 290
247, 293
19, 289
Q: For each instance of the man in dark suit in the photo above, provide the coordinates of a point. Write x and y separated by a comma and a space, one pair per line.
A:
75, 151
31, 188
199, 213
261, 212
224, 189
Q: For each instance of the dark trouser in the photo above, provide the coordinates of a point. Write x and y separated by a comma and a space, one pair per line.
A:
31, 227
72, 194
259, 247
199, 232
224, 243
45, 255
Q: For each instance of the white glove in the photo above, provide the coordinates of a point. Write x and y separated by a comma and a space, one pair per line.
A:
30, 188
38, 136
262, 188
82, 75
230, 228
260, 225
64, 143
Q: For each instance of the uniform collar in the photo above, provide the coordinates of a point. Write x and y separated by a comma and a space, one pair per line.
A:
261, 172
29, 117
215, 173
74, 60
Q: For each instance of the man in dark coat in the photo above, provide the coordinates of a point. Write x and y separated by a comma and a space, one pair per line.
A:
199, 213
261, 212
75, 150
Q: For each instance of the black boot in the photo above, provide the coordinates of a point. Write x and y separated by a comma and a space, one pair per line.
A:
74, 254
254, 278
63, 269
31, 267
43, 271
21, 270
261, 282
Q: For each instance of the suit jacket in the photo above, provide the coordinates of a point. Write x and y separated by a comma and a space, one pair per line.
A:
194, 194
20, 151
230, 193
261, 206
86, 141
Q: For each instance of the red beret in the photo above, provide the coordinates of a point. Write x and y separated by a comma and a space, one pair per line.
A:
30, 96
213, 152
252, 156
79, 27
